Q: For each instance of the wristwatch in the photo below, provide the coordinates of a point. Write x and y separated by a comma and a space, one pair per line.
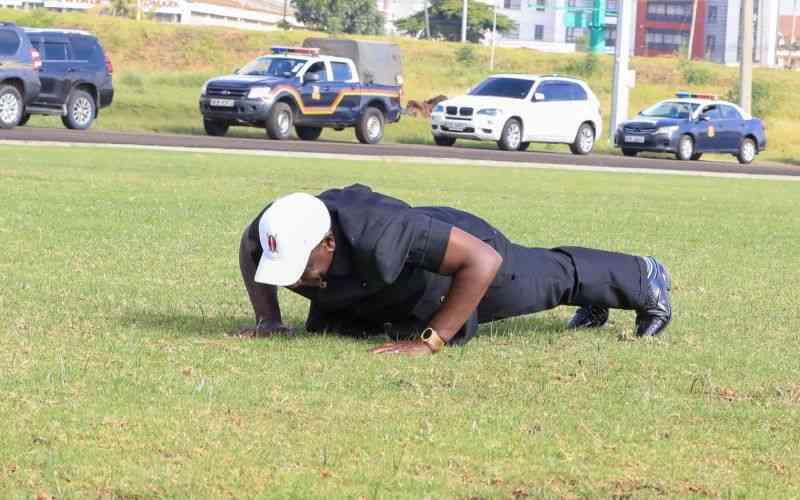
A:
434, 341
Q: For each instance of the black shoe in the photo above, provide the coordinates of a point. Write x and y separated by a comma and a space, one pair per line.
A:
589, 317
657, 311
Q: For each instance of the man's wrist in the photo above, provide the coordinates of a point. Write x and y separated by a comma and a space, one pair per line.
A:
431, 337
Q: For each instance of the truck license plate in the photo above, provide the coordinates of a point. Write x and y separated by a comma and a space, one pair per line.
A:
222, 103
634, 138
453, 125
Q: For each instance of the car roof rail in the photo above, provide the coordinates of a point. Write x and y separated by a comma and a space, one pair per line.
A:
7, 23
558, 75
56, 30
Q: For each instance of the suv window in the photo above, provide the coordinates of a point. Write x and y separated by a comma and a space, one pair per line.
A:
84, 48
503, 87
730, 113
9, 43
55, 51
578, 92
555, 91
341, 72
712, 112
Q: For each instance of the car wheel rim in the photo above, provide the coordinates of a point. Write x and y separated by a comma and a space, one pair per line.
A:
283, 123
748, 151
9, 108
686, 148
587, 139
514, 135
373, 127
82, 111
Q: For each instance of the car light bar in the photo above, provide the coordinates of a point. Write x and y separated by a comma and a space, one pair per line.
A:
696, 96
295, 50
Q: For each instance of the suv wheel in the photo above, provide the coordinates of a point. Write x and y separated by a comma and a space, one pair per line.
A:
584, 140
10, 106
747, 151
369, 129
685, 148
24, 120
442, 140
217, 128
308, 133
511, 137
279, 123
80, 111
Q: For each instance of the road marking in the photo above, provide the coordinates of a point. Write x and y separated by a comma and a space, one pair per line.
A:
410, 160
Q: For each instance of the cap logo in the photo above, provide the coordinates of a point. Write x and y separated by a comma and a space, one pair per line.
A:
272, 243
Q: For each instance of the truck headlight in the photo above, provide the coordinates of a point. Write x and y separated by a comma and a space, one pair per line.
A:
203, 89
490, 112
438, 109
259, 93
668, 130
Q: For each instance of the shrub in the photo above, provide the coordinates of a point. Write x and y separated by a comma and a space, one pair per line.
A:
466, 55
694, 74
586, 66
762, 98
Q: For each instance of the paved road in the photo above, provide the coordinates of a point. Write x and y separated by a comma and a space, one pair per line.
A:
385, 150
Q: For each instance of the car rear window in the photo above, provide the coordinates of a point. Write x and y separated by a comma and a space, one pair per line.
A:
730, 113
503, 87
9, 42
86, 48
55, 51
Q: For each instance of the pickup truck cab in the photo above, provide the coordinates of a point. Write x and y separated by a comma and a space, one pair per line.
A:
297, 87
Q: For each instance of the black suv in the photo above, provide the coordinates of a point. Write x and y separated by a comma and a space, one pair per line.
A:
19, 77
75, 76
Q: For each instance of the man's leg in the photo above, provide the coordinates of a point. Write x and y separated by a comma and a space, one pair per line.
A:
538, 279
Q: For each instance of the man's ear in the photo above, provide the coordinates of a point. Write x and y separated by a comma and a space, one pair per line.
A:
329, 242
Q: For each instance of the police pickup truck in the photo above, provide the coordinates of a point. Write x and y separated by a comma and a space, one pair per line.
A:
298, 87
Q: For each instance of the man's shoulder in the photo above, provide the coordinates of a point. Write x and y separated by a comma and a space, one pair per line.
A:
359, 197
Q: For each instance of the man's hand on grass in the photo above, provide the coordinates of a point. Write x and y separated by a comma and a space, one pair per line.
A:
408, 347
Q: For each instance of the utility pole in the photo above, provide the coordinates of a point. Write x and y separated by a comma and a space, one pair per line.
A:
746, 66
464, 22
622, 76
285, 4
494, 34
794, 20
691, 30
427, 22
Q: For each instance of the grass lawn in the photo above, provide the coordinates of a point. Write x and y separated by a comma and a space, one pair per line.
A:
119, 280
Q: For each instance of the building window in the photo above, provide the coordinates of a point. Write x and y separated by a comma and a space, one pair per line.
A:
666, 40
712, 14
512, 4
611, 36
572, 4
711, 45
538, 32
570, 35
540, 5
676, 12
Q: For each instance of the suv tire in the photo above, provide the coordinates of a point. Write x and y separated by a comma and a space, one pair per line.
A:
511, 138
685, 148
584, 140
24, 119
747, 151
81, 110
308, 133
279, 122
369, 129
442, 140
217, 128
11, 106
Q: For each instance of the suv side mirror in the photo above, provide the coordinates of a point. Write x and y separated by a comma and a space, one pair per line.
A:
312, 77
538, 96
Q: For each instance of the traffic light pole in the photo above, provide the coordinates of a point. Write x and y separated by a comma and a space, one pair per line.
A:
746, 66
598, 27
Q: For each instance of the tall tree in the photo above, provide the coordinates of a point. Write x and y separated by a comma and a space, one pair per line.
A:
359, 17
445, 20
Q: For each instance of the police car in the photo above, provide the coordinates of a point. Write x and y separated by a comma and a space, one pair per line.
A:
297, 87
690, 125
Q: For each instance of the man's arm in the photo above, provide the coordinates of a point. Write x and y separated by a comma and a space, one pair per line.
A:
264, 298
473, 265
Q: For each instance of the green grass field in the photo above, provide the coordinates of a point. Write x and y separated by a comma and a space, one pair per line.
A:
160, 68
119, 280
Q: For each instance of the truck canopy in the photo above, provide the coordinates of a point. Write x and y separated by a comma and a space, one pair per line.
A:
376, 62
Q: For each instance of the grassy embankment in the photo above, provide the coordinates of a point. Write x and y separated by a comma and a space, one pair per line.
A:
119, 279
160, 68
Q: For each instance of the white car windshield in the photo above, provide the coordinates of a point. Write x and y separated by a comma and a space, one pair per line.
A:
671, 109
273, 66
514, 88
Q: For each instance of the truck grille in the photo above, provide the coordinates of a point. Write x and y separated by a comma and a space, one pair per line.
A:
455, 111
226, 92
639, 128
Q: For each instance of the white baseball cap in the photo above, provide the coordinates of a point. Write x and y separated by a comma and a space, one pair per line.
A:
289, 230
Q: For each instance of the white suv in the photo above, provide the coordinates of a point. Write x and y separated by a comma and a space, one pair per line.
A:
515, 110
